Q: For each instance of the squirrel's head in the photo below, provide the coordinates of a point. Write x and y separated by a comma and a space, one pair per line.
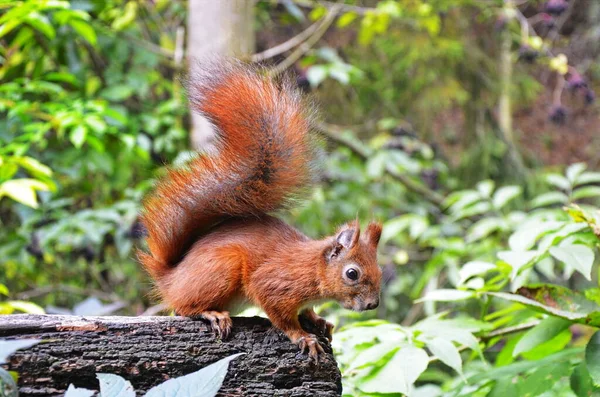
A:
353, 276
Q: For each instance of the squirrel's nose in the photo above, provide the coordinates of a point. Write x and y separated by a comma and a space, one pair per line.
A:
372, 305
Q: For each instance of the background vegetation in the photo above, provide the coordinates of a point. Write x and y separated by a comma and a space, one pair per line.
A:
468, 127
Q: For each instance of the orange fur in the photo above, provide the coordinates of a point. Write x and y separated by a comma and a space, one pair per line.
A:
212, 243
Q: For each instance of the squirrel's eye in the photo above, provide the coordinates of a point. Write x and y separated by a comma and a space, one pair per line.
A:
352, 274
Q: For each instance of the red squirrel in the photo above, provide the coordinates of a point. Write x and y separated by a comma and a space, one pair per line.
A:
213, 245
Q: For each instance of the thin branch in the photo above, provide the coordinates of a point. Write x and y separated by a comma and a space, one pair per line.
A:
364, 153
509, 330
330, 4
287, 45
308, 44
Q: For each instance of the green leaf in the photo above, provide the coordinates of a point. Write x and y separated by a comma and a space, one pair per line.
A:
77, 135
518, 260
526, 235
316, 74
558, 181
8, 347
549, 199
23, 190
399, 374
504, 195
84, 29
588, 177
581, 382
483, 228
117, 93
446, 352
485, 188
346, 19
26, 307
474, 268
372, 355
574, 171
114, 386
205, 382
73, 391
586, 192
41, 23
592, 358
558, 301
34, 167
446, 295
544, 331
578, 256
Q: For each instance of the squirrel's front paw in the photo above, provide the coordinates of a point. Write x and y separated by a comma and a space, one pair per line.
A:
311, 344
326, 328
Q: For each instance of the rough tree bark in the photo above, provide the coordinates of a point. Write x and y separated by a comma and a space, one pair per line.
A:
149, 350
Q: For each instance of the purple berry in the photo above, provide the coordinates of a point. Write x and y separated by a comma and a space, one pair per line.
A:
558, 114
556, 7
528, 54
575, 81
589, 96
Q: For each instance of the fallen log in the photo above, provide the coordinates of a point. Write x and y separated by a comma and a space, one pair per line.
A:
150, 350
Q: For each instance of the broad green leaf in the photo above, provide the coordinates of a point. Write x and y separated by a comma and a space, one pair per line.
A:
114, 386
77, 135
526, 235
592, 358
8, 386
558, 301
505, 194
544, 331
73, 391
543, 378
483, 228
23, 190
372, 355
399, 374
574, 171
376, 165
546, 199
518, 260
316, 74
206, 382
446, 295
474, 268
8, 347
558, 181
84, 29
586, 192
346, 19
581, 382
588, 177
578, 256
522, 366
41, 23
446, 352
26, 307
34, 167
485, 188
460, 200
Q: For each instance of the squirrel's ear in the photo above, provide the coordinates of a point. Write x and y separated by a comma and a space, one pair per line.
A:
373, 233
346, 239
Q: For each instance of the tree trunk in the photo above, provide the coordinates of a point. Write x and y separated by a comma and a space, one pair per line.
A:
150, 350
217, 28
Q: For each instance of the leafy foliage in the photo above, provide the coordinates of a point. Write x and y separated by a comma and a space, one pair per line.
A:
491, 281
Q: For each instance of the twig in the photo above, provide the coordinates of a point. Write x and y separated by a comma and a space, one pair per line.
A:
287, 45
509, 330
364, 153
308, 44
330, 4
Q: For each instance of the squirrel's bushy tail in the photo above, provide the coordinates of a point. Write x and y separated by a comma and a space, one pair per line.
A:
263, 158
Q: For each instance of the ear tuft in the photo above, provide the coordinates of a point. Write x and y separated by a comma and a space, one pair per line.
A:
373, 233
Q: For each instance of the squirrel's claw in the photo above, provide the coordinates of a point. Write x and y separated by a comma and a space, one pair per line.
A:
311, 345
220, 322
